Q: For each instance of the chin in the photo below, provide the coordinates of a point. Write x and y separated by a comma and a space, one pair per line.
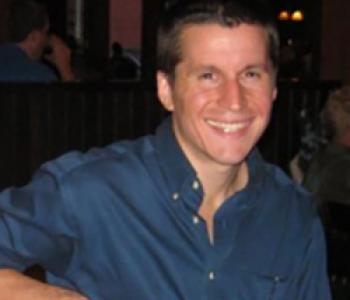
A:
232, 159
234, 153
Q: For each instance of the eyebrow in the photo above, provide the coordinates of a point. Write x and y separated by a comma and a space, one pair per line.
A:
195, 68
257, 66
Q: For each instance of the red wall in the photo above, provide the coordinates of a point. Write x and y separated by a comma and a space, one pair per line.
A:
3, 8
126, 22
335, 54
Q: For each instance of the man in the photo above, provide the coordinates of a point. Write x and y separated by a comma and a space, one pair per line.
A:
28, 27
192, 212
121, 65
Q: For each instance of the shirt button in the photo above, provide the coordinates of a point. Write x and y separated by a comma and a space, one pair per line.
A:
211, 275
176, 196
195, 220
195, 185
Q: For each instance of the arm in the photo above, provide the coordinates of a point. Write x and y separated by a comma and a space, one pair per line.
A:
15, 285
30, 234
61, 58
313, 279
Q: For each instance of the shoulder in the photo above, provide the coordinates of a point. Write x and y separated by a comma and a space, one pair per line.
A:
287, 197
34, 71
119, 171
290, 205
42, 73
16, 66
124, 157
7, 50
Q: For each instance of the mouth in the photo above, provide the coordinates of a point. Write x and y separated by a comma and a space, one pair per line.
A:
227, 127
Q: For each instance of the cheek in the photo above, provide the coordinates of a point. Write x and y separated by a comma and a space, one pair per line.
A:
192, 101
261, 106
261, 96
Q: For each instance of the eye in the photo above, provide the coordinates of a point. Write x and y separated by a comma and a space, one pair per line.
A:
207, 76
252, 74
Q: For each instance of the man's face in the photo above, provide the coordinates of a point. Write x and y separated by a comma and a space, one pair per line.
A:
222, 93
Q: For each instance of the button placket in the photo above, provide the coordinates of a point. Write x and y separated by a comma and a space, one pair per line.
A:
211, 275
176, 196
195, 220
195, 185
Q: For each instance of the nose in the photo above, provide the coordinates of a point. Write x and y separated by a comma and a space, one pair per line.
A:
232, 95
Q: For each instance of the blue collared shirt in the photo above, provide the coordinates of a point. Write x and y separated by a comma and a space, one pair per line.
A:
122, 223
16, 66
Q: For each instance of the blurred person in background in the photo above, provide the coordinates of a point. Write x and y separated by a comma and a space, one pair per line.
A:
27, 41
121, 65
328, 176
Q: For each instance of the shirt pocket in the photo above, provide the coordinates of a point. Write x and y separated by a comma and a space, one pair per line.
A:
259, 286
277, 283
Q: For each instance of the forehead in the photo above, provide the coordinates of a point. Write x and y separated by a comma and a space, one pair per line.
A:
205, 41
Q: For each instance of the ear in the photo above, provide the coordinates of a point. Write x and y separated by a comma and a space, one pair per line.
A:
33, 36
274, 93
164, 90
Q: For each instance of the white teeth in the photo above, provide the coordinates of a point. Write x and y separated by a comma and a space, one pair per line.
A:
227, 127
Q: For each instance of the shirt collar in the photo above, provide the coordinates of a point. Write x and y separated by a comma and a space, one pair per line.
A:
174, 164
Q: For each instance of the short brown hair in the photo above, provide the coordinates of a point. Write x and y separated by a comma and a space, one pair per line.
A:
226, 13
342, 97
23, 17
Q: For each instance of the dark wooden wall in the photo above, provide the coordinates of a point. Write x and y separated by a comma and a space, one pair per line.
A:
39, 122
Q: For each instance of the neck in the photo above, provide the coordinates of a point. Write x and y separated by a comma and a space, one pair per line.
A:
27, 49
218, 186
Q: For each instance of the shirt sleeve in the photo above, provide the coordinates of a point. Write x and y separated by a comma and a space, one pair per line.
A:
313, 279
35, 226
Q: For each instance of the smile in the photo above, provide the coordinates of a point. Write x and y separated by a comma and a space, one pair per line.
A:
227, 127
